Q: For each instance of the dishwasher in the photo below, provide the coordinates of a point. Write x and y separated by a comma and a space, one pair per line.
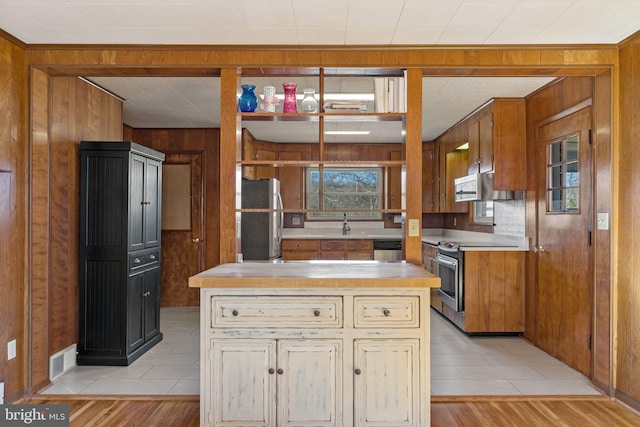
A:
387, 250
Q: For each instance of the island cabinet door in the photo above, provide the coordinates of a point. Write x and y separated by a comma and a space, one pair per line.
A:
309, 383
387, 382
243, 383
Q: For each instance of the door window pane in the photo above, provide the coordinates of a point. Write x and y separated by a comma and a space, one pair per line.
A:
563, 175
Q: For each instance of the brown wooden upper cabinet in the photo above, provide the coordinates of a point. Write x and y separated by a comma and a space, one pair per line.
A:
453, 163
497, 138
492, 138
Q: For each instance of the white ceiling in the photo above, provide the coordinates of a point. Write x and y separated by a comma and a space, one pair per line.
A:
193, 102
333, 22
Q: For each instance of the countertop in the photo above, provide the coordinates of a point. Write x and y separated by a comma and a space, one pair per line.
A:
476, 241
315, 274
480, 241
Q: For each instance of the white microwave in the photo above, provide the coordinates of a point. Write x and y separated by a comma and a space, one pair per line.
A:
468, 188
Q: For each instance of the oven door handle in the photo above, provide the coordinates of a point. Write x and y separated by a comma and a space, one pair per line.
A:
443, 261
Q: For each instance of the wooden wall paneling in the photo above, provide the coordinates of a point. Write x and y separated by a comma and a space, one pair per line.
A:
602, 334
63, 300
64, 111
627, 234
205, 141
14, 78
78, 111
39, 243
230, 153
413, 162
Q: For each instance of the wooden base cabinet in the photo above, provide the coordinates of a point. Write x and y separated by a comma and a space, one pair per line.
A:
315, 357
307, 382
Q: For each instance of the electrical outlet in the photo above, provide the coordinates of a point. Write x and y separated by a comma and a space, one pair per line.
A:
11, 349
295, 220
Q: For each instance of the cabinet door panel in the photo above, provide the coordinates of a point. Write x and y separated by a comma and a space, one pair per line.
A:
309, 390
387, 368
151, 303
136, 202
135, 312
153, 203
242, 387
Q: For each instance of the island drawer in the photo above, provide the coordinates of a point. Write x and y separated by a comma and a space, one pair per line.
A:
386, 312
276, 312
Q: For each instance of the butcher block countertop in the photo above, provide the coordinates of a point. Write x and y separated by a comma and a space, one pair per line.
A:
315, 274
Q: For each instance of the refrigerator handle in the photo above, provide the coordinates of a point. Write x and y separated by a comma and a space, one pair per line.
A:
281, 207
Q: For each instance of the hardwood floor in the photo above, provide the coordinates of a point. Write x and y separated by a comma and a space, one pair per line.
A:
468, 411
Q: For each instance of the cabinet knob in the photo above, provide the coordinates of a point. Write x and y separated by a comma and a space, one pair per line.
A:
386, 312
280, 371
272, 371
196, 240
300, 245
234, 312
538, 249
357, 371
316, 313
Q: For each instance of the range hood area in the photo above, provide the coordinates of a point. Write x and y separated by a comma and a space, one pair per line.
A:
478, 187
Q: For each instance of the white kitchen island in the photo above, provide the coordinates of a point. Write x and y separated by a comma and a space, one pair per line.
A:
315, 344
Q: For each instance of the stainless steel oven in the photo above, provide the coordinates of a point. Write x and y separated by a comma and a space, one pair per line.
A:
450, 270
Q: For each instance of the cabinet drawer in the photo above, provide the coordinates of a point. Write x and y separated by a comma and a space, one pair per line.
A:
300, 245
280, 312
143, 260
387, 312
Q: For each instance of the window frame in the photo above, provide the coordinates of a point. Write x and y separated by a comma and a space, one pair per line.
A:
353, 215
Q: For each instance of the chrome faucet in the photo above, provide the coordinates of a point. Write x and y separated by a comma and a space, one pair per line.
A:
345, 226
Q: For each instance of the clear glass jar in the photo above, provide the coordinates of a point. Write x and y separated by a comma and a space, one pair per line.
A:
309, 102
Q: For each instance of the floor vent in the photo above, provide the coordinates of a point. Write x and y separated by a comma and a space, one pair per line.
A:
62, 361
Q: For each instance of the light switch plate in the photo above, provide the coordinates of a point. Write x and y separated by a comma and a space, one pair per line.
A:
414, 227
1, 393
11, 349
603, 221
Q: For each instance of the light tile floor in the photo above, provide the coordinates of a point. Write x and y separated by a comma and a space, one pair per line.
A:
460, 365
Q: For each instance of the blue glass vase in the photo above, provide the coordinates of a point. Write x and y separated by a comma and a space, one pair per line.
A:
248, 102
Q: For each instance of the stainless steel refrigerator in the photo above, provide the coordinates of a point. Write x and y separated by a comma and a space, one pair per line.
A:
261, 232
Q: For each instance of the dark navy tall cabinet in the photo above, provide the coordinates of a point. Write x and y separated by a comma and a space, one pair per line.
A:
119, 280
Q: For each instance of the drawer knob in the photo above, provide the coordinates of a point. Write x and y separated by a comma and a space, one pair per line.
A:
234, 312
280, 371
316, 313
152, 257
300, 245
386, 312
136, 260
357, 371
272, 371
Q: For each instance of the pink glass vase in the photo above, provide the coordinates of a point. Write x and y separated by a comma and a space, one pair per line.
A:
290, 102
